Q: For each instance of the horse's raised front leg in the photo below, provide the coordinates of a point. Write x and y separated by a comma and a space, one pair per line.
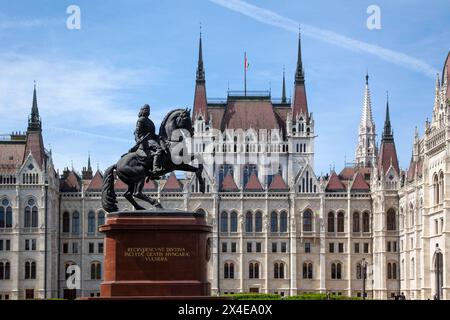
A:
129, 196
140, 195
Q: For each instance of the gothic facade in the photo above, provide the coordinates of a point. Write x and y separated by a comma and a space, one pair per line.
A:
277, 226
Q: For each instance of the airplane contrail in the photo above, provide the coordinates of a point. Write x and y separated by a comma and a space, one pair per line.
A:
272, 18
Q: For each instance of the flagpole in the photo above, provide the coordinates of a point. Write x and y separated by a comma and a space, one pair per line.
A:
245, 73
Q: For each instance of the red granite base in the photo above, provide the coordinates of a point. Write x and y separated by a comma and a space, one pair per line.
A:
155, 254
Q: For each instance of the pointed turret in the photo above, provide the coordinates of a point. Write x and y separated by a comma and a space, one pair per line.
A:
35, 144
200, 102
446, 77
366, 149
34, 120
299, 105
387, 131
283, 92
388, 153
86, 173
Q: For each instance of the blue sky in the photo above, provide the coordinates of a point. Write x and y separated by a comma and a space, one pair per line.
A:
91, 82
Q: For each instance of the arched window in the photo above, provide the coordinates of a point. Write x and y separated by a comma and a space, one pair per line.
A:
358, 271
413, 269
224, 221
5, 214
356, 222
273, 222
258, 221
281, 270
331, 222
248, 222
5, 270
76, 222
31, 214
366, 222
436, 189
394, 270
253, 270
389, 271
336, 270
66, 222
96, 271
307, 270
66, 267
30, 270
441, 187
231, 271
226, 270
283, 221
340, 222
390, 217
307, 220
101, 218
233, 221
91, 222
276, 270
411, 215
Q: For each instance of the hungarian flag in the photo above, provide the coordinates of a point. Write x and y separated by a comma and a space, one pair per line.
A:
246, 64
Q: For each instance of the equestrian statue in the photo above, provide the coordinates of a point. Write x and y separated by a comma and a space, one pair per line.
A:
153, 156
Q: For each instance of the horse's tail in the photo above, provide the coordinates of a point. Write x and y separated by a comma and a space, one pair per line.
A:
109, 201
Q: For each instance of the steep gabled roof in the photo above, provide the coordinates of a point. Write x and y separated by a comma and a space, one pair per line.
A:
253, 183
228, 184
278, 184
96, 183
71, 183
359, 184
150, 186
334, 184
119, 185
246, 114
172, 184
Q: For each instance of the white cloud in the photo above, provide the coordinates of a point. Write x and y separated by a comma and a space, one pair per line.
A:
30, 23
85, 92
272, 18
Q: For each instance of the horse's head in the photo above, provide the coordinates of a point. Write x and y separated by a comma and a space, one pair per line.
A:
184, 121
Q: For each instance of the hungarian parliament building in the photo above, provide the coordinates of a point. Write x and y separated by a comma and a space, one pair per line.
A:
371, 228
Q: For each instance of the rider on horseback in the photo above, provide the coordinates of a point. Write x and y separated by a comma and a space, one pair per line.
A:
148, 140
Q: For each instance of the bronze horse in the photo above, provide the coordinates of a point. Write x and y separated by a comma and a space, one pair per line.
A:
133, 173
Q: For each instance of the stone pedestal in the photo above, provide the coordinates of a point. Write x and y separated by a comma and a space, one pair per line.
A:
156, 253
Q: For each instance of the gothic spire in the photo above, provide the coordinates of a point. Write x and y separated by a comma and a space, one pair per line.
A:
366, 115
89, 162
299, 73
200, 101
34, 120
200, 68
283, 94
387, 132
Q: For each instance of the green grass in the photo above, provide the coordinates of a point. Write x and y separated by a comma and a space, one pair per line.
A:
270, 296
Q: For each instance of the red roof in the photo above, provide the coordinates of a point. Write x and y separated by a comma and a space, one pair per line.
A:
150, 186
35, 145
334, 184
70, 183
229, 184
387, 155
253, 183
11, 155
278, 184
216, 114
120, 185
246, 114
349, 172
172, 184
200, 106
359, 183
300, 105
96, 183
414, 167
